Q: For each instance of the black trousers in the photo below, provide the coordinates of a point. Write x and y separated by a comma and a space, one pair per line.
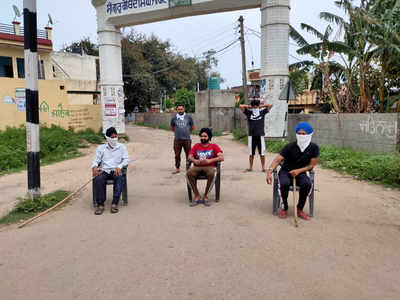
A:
302, 181
100, 187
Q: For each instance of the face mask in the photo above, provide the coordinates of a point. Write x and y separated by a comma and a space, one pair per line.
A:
112, 142
303, 141
204, 141
180, 116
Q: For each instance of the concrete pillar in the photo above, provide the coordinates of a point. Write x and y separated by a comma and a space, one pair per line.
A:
274, 63
111, 83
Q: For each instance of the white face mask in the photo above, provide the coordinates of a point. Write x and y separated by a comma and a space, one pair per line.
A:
112, 142
180, 117
303, 141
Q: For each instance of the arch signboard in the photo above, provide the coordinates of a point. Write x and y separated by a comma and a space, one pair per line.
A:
114, 14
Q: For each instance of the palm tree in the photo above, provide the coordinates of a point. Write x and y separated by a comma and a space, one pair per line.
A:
321, 52
383, 17
358, 51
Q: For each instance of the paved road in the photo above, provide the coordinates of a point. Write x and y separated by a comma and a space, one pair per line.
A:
160, 248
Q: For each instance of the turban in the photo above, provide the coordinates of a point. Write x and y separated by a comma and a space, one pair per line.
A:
304, 126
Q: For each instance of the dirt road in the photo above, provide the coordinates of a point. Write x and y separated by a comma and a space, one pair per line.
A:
160, 248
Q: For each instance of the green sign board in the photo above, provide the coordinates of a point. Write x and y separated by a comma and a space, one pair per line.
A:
177, 3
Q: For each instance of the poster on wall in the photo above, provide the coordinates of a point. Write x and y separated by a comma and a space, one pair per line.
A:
110, 107
21, 101
9, 100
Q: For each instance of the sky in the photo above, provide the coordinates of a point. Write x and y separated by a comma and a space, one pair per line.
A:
191, 36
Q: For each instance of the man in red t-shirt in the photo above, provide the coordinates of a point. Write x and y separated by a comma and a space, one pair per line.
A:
204, 156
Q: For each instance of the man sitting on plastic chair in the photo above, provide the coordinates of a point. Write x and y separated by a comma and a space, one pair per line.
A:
204, 156
108, 163
298, 158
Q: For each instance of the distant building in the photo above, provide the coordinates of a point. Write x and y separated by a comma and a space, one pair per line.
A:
68, 83
305, 103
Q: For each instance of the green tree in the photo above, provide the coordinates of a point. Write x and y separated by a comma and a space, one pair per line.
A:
169, 103
85, 45
321, 52
187, 98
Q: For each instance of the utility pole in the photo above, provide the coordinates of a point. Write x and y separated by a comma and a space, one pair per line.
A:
32, 98
244, 70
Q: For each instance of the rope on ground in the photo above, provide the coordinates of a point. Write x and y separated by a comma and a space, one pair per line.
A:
53, 207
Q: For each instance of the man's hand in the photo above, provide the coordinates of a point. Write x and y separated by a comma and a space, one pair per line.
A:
269, 177
205, 162
95, 171
118, 172
294, 173
197, 162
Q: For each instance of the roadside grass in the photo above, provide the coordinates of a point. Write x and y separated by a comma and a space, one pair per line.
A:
379, 168
56, 144
165, 127
27, 208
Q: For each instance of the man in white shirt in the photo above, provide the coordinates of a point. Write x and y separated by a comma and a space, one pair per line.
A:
108, 163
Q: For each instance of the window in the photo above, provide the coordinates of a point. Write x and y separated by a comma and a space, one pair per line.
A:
281, 84
21, 67
41, 74
97, 69
271, 84
6, 67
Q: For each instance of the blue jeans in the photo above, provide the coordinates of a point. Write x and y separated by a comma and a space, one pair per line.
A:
100, 187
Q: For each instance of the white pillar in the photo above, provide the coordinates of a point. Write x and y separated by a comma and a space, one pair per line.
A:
275, 63
111, 83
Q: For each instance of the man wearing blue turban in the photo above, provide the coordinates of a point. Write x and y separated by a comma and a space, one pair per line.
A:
298, 158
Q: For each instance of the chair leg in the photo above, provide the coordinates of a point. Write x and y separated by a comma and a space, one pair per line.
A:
275, 200
311, 202
189, 189
125, 193
217, 187
93, 197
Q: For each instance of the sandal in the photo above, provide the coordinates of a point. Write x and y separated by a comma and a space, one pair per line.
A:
193, 203
206, 202
283, 214
248, 170
114, 209
301, 214
99, 210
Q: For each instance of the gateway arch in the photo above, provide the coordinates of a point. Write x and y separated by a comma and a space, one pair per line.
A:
115, 14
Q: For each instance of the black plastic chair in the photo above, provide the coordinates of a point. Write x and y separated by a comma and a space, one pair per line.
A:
276, 198
217, 179
111, 181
